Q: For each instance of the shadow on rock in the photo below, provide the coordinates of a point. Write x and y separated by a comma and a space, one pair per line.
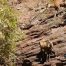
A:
27, 62
41, 57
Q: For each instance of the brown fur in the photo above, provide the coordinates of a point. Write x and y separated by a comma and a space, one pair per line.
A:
45, 44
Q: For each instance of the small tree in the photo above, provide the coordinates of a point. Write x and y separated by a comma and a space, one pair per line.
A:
8, 26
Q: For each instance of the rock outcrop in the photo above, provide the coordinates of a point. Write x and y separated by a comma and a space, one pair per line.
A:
40, 22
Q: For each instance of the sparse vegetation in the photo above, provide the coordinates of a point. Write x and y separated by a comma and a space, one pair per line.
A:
9, 33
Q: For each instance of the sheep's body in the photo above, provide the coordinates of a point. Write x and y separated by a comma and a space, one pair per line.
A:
46, 47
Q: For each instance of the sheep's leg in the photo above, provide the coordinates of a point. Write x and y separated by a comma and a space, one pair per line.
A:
42, 59
46, 53
47, 57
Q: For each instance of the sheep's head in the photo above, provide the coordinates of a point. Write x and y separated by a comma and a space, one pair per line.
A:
44, 43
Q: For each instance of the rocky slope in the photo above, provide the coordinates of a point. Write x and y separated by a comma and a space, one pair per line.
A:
39, 21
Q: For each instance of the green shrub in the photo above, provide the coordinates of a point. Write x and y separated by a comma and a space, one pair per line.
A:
8, 27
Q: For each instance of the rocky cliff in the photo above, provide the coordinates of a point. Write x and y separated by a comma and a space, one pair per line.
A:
39, 21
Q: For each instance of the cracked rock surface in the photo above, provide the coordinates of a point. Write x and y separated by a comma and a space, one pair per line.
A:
39, 21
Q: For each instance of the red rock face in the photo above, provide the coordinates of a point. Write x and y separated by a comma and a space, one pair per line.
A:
44, 25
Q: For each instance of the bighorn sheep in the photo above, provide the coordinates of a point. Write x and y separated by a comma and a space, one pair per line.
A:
46, 47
